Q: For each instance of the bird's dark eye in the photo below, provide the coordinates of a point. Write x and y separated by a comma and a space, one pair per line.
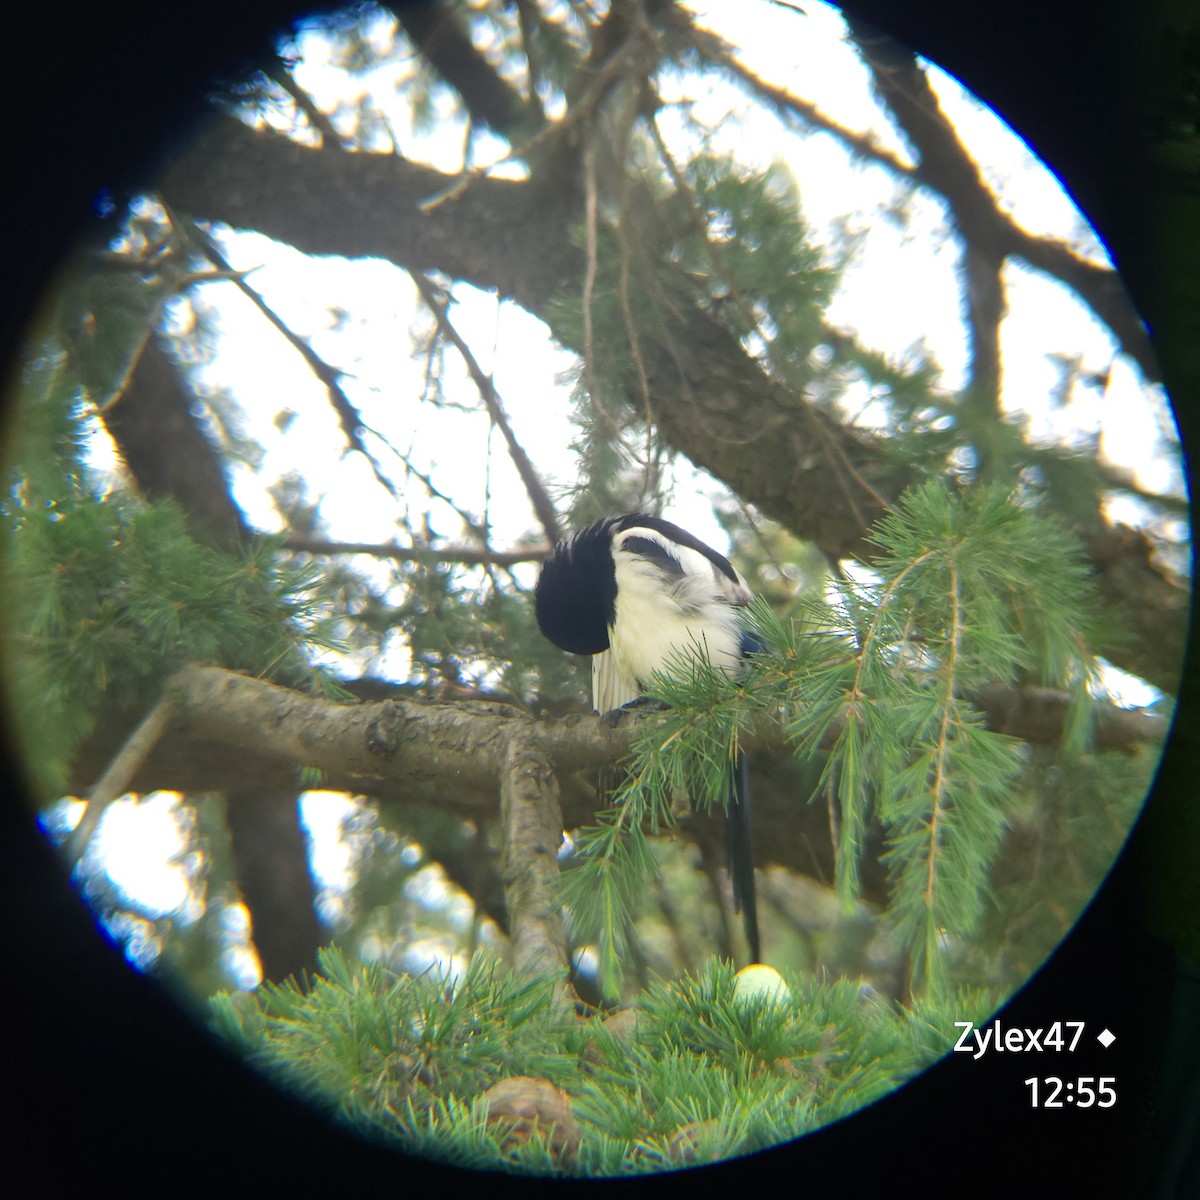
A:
657, 553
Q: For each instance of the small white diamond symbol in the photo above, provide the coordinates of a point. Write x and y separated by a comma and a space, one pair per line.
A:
1106, 1039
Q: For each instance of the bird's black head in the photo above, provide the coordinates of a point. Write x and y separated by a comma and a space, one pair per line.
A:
576, 593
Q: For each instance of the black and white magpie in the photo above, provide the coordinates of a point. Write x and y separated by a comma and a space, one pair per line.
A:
639, 593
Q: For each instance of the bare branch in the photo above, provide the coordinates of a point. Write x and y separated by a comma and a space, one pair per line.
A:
471, 556
945, 167
426, 481
790, 106
435, 31
589, 274
115, 782
404, 740
558, 136
277, 71
398, 740
1098, 287
263, 180
348, 416
465, 755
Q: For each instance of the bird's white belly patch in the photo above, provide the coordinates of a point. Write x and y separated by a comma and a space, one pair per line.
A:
650, 634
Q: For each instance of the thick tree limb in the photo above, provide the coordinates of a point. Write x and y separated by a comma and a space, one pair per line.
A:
265, 181
155, 412
1038, 715
533, 827
1153, 604
467, 757
388, 740
469, 744
270, 854
385, 740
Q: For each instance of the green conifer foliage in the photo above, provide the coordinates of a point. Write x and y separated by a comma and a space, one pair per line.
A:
693, 1073
109, 594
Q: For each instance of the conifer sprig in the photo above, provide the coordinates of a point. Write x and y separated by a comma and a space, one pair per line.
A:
875, 682
109, 594
693, 1073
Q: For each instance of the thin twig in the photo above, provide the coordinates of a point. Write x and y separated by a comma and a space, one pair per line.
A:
539, 497
348, 416
700, 222
718, 51
589, 274
474, 556
427, 483
624, 220
578, 110
115, 780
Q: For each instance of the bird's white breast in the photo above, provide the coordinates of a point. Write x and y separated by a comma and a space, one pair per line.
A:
660, 618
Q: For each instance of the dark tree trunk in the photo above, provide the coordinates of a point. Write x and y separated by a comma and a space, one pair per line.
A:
270, 855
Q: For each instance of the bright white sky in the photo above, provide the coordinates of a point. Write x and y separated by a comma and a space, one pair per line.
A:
901, 291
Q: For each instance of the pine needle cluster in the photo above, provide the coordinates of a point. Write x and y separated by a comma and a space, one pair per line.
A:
692, 1074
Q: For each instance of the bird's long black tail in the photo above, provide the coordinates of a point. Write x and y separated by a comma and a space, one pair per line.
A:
739, 858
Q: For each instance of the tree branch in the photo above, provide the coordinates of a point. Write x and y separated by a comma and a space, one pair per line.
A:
946, 168
411, 741
278, 71
257, 179
472, 556
1039, 715
864, 145
539, 498
533, 829
115, 782
228, 729
330, 377
154, 411
435, 31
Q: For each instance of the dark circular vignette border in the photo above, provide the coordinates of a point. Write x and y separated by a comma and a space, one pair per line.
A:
109, 1080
